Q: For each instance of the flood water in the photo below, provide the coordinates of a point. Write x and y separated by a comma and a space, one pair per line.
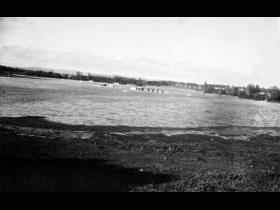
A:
77, 102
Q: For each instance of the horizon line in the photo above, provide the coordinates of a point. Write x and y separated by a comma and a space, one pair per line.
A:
115, 75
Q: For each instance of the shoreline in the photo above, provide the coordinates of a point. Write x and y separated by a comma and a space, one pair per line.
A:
189, 162
226, 132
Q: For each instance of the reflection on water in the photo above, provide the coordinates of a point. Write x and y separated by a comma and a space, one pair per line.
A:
70, 176
76, 102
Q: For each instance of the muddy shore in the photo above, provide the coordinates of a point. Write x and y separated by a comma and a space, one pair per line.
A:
39, 155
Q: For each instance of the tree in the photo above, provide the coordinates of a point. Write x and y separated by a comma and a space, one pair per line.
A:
274, 94
79, 74
242, 94
252, 90
235, 91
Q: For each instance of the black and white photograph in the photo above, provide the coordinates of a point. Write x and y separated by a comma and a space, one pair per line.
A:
139, 104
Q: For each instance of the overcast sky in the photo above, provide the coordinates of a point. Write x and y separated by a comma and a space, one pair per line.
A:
220, 50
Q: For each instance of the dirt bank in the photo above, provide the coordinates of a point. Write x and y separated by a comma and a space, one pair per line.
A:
192, 162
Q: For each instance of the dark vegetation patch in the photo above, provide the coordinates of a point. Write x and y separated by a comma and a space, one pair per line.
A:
195, 162
71, 175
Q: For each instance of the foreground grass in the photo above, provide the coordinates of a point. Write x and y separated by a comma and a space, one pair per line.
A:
199, 162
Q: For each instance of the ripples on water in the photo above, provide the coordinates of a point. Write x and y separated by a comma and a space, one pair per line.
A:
75, 102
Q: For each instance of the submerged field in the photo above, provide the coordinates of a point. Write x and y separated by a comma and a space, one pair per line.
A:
133, 162
85, 103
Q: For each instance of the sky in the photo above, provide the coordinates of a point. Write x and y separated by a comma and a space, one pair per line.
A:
224, 50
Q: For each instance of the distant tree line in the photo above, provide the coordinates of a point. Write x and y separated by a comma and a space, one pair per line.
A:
251, 91
274, 94
12, 71
257, 93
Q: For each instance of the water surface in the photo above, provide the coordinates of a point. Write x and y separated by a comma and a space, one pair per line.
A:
77, 102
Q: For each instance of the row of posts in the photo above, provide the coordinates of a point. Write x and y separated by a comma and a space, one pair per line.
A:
149, 90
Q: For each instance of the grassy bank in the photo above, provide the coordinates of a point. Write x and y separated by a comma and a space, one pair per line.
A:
193, 162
